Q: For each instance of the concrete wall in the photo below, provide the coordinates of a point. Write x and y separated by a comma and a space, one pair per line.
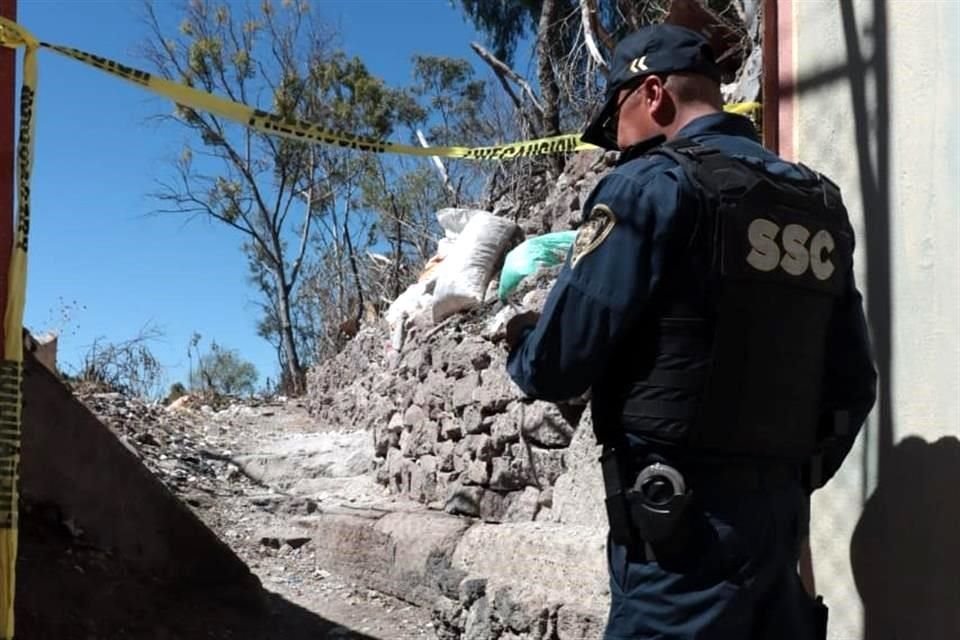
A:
71, 460
871, 99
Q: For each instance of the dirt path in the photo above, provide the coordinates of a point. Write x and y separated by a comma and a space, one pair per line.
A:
285, 463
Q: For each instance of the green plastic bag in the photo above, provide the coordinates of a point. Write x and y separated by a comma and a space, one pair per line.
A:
532, 254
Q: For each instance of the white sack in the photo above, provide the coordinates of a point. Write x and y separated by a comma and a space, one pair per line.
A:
444, 245
454, 220
463, 276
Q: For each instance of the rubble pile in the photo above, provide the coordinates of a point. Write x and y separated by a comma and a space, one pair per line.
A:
188, 449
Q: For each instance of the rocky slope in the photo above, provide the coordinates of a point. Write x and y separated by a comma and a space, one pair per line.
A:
449, 428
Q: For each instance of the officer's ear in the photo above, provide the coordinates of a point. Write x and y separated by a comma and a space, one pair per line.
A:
658, 101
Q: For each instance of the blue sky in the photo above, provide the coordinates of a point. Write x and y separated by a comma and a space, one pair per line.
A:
100, 266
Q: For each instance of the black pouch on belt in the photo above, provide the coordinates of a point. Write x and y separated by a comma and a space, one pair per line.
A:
652, 512
658, 502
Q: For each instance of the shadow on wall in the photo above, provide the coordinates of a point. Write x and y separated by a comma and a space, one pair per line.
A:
905, 551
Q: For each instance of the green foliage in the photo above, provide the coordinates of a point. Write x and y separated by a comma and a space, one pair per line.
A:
222, 372
454, 99
177, 390
505, 23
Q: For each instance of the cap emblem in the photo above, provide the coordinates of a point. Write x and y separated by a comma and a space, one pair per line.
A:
639, 64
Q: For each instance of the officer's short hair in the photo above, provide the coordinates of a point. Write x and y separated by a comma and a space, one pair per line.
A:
694, 87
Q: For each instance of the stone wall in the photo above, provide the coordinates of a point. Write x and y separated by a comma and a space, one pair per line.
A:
450, 428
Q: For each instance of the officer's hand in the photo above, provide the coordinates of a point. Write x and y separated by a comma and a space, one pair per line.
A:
517, 324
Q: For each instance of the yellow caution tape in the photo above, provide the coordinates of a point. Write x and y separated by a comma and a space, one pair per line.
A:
304, 131
11, 367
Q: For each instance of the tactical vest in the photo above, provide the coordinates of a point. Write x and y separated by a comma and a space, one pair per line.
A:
737, 363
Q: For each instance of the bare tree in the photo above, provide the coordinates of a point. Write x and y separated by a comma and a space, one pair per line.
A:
247, 181
292, 202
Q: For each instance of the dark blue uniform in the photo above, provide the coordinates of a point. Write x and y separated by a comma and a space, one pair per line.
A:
739, 579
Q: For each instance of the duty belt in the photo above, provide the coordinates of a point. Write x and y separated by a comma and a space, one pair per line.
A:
647, 496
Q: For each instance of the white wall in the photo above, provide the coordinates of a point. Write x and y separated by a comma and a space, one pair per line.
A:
894, 507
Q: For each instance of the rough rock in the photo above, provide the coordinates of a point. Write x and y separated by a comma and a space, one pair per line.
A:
452, 429
496, 391
470, 590
479, 446
472, 354
544, 425
494, 505
422, 440
413, 416
396, 422
423, 478
578, 494
523, 505
505, 430
574, 623
477, 473
444, 453
463, 499
472, 419
479, 625
539, 561
464, 389
541, 467
434, 393
293, 460
507, 474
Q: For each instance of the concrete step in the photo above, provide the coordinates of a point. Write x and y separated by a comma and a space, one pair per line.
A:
543, 579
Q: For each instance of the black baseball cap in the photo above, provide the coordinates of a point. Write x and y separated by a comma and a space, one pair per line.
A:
653, 50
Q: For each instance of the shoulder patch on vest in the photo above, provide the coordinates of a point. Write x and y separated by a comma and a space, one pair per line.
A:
593, 232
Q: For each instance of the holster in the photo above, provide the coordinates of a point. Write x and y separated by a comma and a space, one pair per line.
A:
622, 530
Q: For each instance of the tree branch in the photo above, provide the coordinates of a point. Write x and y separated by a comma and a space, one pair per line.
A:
548, 37
546, 44
505, 71
535, 125
298, 261
588, 17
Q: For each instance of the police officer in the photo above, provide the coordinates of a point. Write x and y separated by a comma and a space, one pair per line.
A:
709, 305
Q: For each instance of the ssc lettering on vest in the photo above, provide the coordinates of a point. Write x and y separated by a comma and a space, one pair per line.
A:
790, 252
